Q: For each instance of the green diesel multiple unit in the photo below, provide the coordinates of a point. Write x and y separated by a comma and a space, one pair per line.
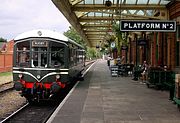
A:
44, 63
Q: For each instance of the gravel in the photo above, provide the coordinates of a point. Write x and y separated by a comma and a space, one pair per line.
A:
10, 102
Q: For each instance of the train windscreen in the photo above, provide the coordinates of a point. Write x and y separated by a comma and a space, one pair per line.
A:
39, 57
23, 54
40, 54
56, 55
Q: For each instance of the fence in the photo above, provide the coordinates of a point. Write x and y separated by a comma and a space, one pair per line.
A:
6, 56
6, 61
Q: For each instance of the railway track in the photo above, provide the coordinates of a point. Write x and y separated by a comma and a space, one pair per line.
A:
38, 113
14, 113
6, 87
31, 114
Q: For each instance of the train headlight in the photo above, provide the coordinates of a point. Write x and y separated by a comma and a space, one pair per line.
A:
58, 76
38, 76
20, 75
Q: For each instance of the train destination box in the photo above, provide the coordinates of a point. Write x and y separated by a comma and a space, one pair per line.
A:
148, 25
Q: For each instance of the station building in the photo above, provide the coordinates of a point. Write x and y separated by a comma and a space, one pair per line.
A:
94, 21
161, 48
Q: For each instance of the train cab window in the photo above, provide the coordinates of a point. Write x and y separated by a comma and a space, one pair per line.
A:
57, 55
39, 57
23, 54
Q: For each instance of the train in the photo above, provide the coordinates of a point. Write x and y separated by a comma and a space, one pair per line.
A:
45, 62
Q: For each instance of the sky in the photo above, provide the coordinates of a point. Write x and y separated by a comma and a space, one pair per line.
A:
18, 16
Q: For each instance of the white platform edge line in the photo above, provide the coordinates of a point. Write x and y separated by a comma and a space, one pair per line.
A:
65, 99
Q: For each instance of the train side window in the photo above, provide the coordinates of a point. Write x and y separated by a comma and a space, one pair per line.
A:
71, 57
80, 56
75, 57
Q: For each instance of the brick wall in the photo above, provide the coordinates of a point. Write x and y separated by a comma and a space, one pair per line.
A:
6, 58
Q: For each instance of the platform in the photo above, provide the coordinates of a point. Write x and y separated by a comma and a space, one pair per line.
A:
101, 98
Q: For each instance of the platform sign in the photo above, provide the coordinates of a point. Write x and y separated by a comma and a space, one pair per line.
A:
114, 70
148, 25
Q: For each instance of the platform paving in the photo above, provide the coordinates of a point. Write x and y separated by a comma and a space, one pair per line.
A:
101, 98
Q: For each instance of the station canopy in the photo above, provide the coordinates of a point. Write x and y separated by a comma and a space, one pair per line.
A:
93, 19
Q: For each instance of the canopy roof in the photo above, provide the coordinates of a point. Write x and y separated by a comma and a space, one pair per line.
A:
93, 19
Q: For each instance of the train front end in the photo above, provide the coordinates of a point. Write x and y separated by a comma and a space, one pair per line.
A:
39, 67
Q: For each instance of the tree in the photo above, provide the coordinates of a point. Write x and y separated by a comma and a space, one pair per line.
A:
91, 53
3, 40
120, 41
72, 34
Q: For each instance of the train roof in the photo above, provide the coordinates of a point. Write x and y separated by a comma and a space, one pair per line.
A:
43, 33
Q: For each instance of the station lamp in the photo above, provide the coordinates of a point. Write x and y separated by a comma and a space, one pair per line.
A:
108, 3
